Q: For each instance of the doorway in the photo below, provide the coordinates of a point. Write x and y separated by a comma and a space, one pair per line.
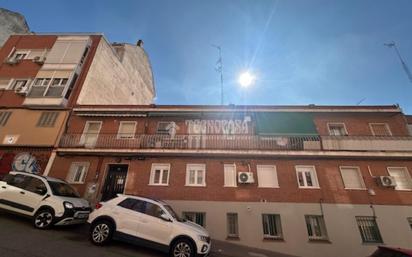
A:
115, 181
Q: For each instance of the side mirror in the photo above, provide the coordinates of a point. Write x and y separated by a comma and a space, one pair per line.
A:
165, 217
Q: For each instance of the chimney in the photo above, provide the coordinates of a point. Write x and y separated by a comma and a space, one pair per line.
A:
140, 43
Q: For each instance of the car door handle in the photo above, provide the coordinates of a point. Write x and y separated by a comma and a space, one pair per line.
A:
4, 187
144, 221
22, 192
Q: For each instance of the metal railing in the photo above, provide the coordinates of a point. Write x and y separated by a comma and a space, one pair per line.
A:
212, 142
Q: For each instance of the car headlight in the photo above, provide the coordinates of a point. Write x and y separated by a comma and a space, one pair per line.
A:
68, 205
205, 239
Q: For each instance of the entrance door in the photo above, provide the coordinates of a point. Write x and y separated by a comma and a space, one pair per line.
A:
115, 181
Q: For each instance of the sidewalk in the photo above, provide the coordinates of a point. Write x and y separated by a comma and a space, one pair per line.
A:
225, 249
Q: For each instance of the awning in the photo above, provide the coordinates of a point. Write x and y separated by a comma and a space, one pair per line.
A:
281, 123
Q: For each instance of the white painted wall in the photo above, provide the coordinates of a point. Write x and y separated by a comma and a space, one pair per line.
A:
344, 235
114, 80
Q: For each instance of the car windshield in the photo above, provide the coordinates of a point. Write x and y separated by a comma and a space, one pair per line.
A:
173, 213
63, 189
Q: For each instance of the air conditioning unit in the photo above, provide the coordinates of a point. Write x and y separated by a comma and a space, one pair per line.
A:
387, 181
245, 177
22, 90
11, 60
39, 59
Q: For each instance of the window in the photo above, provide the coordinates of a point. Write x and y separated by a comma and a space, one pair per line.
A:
20, 55
78, 172
380, 129
352, 177
267, 176
47, 119
59, 82
368, 229
90, 133
4, 117
402, 178
196, 217
316, 227
36, 185
153, 210
160, 174
410, 221
42, 82
127, 129
230, 175
232, 225
19, 84
162, 127
307, 177
337, 129
19, 181
271, 226
196, 175
133, 204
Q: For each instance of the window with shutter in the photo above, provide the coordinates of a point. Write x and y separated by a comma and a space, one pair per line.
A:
380, 129
306, 176
337, 129
316, 227
352, 178
267, 176
402, 177
159, 175
77, 173
47, 119
230, 175
196, 175
232, 225
4, 117
127, 129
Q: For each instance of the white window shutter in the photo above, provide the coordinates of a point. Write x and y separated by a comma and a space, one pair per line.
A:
352, 178
402, 177
230, 175
267, 176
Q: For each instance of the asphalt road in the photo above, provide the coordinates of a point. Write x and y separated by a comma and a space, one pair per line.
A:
19, 239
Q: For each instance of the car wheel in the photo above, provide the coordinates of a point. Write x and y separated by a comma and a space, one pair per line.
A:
182, 248
101, 232
43, 219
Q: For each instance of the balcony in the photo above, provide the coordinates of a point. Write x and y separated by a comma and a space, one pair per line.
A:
209, 142
366, 143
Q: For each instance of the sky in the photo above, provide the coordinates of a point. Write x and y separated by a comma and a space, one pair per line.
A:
300, 52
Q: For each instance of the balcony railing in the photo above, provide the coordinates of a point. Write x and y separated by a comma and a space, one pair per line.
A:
211, 142
367, 143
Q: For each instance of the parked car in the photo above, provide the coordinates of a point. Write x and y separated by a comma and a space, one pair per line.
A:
385, 251
48, 201
150, 222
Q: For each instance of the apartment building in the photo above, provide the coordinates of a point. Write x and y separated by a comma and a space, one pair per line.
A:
300, 180
43, 76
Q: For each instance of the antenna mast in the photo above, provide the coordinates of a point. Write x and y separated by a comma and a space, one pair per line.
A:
404, 65
219, 68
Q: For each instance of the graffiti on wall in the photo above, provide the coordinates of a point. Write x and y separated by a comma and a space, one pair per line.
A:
26, 162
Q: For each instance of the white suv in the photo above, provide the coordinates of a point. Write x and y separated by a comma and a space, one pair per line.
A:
149, 222
47, 200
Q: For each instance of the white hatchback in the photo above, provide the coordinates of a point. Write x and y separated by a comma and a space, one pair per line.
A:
47, 200
150, 222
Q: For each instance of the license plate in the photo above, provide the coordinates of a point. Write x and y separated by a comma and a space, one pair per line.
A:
82, 215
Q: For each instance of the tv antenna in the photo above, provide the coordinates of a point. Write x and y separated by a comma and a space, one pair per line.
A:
404, 65
219, 68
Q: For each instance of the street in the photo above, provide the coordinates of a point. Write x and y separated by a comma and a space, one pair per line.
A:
18, 238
